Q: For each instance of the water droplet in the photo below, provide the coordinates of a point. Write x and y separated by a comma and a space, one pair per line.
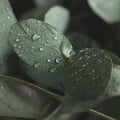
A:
3, 24
55, 38
80, 58
8, 17
33, 47
56, 53
67, 49
52, 69
41, 49
17, 40
88, 57
36, 37
19, 46
48, 60
36, 65
2, 87
19, 55
83, 65
18, 34
57, 60
14, 45
47, 40
53, 31
51, 54
27, 29
7, 8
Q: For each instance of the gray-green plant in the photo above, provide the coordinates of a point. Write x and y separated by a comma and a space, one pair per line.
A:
65, 75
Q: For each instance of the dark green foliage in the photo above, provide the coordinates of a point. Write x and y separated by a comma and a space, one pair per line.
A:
42, 47
66, 77
87, 73
115, 58
37, 43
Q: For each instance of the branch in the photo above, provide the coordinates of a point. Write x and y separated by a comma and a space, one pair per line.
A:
18, 118
35, 87
55, 96
101, 115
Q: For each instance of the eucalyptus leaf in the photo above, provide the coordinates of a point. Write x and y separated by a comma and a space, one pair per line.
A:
41, 46
61, 17
108, 10
87, 73
115, 57
19, 101
7, 19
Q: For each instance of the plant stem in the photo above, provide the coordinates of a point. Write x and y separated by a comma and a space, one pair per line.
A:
42, 90
101, 115
55, 96
18, 118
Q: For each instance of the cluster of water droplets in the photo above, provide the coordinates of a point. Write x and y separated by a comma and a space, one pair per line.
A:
57, 60
37, 48
16, 43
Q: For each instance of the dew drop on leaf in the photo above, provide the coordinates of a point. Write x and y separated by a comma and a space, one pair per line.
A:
52, 69
36, 37
48, 60
17, 40
19, 46
55, 38
53, 31
36, 65
57, 60
8, 17
18, 34
14, 45
41, 49
7, 8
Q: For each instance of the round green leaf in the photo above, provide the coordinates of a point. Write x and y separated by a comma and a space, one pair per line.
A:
41, 46
87, 73
7, 19
115, 58
108, 10
61, 17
